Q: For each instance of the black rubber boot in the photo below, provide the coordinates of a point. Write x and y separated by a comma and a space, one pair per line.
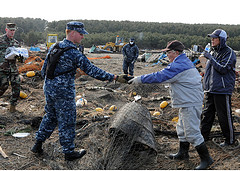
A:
206, 159
182, 153
75, 155
37, 148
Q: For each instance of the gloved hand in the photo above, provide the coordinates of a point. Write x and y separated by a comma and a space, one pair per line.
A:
123, 78
207, 55
135, 80
19, 58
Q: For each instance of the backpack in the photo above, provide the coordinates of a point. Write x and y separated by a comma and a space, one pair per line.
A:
53, 59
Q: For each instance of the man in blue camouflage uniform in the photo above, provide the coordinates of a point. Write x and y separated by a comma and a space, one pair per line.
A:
8, 68
130, 54
60, 92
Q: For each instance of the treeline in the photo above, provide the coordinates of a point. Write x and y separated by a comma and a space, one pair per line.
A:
148, 35
30, 31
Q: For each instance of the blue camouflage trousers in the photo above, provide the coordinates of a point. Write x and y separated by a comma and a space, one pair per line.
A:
61, 112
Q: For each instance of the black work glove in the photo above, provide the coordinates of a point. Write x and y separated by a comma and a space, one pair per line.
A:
19, 58
123, 78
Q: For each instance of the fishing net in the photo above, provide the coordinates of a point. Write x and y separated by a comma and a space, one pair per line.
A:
126, 141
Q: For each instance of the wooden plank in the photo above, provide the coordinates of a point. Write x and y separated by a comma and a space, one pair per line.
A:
3, 153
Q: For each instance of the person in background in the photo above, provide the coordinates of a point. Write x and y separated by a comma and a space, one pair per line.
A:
8, 68
130, 54
187, 94
60, 92
218, 82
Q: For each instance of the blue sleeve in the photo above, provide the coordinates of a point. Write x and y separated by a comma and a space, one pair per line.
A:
85, 65
161, 76
168, 74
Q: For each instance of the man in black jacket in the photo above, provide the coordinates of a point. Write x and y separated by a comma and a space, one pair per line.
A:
219, 81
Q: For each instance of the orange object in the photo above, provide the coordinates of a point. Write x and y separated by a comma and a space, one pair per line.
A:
163, 104
34, 63
175, 119
156, 114
23, 95
30, 74
31, 64
98, 109
103, 57
113, 108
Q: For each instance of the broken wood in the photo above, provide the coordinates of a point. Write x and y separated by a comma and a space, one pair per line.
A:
19, 155
100, 88
160, 98
3, 153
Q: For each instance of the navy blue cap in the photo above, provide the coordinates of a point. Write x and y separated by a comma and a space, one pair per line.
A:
218, 33
76, 26
132, 40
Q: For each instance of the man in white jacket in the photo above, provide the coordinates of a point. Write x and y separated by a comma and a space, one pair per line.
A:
187, 94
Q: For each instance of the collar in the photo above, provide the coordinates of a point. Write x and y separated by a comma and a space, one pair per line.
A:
69, 43
7, 38
182, 54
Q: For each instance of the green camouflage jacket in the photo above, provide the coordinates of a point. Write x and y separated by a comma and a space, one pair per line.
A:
7, 65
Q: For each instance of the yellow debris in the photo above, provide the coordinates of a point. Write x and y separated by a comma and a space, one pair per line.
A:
30, 74
163, 104
98, 109
175, 119
23, 95
156, 114
113, 108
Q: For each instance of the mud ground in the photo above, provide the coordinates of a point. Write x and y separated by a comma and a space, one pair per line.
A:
91, 134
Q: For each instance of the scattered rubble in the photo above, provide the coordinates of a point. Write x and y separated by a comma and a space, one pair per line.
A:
92, 127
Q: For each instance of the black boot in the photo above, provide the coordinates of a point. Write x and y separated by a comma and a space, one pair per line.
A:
37, 148
182, 153
206, 159
75, 155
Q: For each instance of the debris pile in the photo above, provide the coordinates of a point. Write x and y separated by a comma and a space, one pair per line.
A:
33, 63
112, 137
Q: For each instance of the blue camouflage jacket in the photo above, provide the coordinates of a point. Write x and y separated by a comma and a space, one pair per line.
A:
219, 77
71, 59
